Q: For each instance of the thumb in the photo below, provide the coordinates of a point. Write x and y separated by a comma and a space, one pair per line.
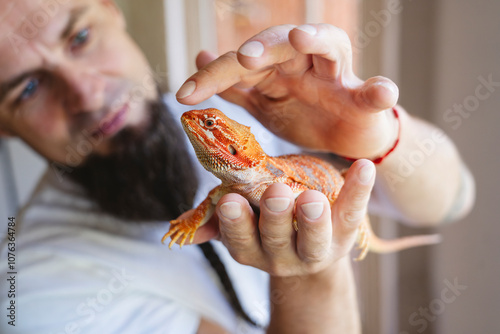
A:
349, 209
378, 93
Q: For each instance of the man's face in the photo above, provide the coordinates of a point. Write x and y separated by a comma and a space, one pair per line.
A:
69, 71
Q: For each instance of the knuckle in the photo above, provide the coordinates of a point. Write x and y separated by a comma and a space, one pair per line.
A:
277, 33
219, 64
359, 198
231, 56
275, 37
275, 242
207, 71
315, 250
316, 256
343, 42
237, 241
351, 218
341, 33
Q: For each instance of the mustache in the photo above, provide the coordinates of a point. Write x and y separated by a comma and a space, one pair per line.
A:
96, 122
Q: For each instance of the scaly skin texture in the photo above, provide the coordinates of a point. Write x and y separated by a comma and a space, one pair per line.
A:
229, 151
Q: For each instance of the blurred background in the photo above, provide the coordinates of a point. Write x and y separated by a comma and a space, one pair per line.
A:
445, 57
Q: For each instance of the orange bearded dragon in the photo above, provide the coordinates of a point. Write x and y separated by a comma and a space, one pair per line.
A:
229, 151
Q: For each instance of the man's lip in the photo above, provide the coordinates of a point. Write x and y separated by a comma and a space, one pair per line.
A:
111, 124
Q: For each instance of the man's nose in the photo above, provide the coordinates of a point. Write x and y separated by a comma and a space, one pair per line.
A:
85, 89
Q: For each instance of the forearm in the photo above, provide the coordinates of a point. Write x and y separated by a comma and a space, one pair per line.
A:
424, 181
321, 303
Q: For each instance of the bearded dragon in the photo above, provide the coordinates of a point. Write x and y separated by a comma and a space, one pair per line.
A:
230, 151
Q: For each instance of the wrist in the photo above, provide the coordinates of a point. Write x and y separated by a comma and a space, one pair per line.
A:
327, 275
323, 302
393, 143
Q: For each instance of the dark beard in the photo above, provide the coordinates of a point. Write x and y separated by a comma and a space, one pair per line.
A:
149, 175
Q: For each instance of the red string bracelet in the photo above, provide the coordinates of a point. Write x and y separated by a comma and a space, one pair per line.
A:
381, 158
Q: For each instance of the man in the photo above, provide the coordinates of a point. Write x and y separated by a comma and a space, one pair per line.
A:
85, 264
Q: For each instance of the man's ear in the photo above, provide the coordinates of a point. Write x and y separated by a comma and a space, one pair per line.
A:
116, 11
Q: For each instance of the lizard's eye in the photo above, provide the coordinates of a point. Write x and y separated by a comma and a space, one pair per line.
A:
209, 123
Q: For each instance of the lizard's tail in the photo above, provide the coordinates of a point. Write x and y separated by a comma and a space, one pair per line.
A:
368, 241
378, 245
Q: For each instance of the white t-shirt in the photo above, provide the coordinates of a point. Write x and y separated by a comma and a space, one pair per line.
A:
81, 271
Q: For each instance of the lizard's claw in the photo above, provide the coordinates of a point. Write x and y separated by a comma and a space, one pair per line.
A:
295, 224
181, 229
363, 241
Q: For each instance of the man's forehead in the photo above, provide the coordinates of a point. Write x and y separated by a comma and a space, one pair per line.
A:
24, 23
20, 26
14, 11
33, 13
8, 6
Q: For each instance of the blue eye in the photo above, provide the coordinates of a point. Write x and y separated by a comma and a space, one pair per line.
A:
29, 90
80, 38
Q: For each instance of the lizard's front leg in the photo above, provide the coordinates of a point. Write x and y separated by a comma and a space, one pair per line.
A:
187, 227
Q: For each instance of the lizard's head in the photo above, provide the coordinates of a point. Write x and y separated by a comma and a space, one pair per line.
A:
220, 143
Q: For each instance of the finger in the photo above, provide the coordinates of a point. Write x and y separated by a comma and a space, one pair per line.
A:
234, 95
216, 77
330, 46
197, 87
226, 71
315, 226
238, 228
271, 47
275, 223
350, 207
376, 94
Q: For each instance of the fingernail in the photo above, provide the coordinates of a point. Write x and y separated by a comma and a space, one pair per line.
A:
252, 49
231, 210
366, 173
186, 89
312, 210
278, 204
308, 29
389, 86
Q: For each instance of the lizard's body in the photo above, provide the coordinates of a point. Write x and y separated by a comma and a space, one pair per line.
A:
229, 150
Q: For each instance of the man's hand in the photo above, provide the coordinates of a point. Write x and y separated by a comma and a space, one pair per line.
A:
298, 82
270, 243
311, 286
